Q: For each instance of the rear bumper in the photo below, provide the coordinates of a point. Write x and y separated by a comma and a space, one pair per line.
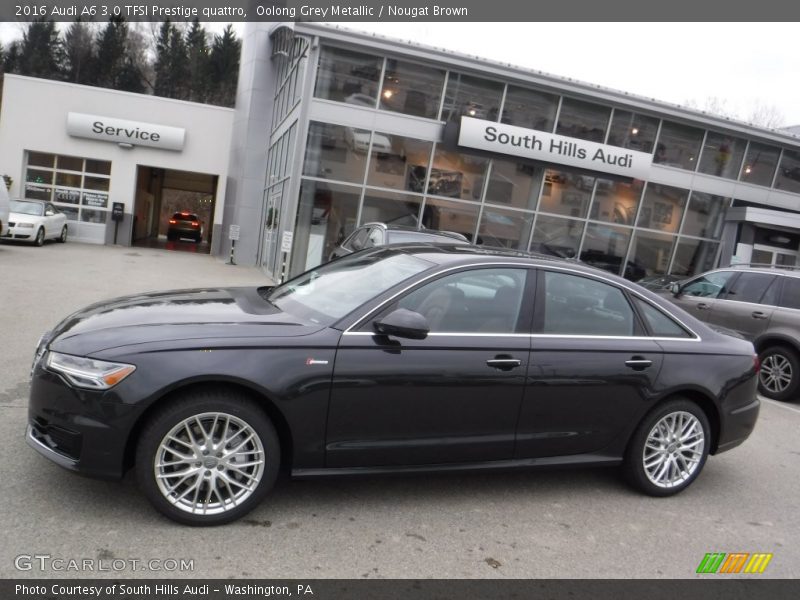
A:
738, 425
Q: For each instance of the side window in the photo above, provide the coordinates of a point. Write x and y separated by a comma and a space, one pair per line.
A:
659, 324
750, 287
357, 239
790, 298
711, 285
474, 301
575, 305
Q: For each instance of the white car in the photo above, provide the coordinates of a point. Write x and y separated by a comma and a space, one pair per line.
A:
358, 141
36, 221
4, 209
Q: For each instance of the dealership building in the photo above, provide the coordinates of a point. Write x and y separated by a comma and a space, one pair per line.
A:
333, 129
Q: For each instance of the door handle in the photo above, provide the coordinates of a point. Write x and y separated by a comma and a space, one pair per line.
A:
757, 314
504, 363
702, 306
638, 363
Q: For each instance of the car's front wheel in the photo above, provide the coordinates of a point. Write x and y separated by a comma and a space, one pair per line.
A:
208, 458
39, 240
669, 448
63, 237
779, 376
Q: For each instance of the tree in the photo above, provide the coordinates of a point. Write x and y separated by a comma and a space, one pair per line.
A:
198, 57
172, 63
115, 67
766, 115
224, 67
79, 53
41, 53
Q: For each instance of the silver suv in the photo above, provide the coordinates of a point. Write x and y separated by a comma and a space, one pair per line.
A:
763, 305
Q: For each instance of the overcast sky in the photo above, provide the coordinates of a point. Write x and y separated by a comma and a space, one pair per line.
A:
741, 64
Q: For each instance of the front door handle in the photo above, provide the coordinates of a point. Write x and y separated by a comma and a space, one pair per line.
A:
638, 363
702, 306
504, 363
757, 314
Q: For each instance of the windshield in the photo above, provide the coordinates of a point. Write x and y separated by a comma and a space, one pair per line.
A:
27, 208
326, 294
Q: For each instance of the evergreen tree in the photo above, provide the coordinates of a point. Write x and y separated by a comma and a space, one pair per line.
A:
11, 58
197, 54
172, 63
79, 53
224, 67
41, 53
114, 67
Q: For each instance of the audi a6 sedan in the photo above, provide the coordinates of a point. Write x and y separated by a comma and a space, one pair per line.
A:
406, 358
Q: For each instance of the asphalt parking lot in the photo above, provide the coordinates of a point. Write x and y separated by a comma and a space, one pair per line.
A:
576, 524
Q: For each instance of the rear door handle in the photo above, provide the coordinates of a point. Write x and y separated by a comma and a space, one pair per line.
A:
757, 314
638, 363
504, 363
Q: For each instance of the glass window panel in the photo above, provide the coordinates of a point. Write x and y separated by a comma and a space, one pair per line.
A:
66, 196
70, 211
95, 200
530, 109
759, 164
704, 216
101, 167
556, 236
576, 305
326, 215
336, 152
505, 228
749, 287
650, 254
722, 155
38, 176
412, 89
457, 175
471, 97
566, 193
348, 76
398, 162
605, 247
90, 215
583, 120
632, 130
96, 183
38, 192
514, 184
693, 256
662, 207
678, 146
69, 179
790, 297
391, 207
711, 285
40, 159
660, 325
789, 172
616, 201
69, 163
445, 215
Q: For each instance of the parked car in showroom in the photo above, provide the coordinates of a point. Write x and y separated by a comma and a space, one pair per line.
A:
36, 221
184, 224
381, 234
397, 359
763, 306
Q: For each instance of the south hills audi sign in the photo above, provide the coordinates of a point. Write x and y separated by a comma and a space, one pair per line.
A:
552, 148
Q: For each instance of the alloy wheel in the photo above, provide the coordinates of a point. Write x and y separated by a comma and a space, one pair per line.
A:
776, 373
673, 449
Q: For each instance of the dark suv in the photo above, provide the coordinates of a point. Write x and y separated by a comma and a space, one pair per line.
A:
763, 305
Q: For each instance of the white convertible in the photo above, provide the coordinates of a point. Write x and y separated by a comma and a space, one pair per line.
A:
36, 221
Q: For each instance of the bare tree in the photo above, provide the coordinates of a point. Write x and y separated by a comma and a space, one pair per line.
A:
766, 115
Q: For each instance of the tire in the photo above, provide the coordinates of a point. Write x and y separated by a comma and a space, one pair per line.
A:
779, 376
62, 239
216, 491
660, 468
39, 240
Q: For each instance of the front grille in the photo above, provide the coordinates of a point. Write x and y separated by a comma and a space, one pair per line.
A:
10, 224
62, 440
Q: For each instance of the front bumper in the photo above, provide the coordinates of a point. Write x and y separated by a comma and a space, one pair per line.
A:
20, 233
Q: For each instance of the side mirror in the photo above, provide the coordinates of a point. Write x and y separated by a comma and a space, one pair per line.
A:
403, 323
675, 288
48, 213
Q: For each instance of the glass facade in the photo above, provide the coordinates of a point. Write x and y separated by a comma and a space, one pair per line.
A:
355, 175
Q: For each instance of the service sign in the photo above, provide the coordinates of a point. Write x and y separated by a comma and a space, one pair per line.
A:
120, 131
552, 148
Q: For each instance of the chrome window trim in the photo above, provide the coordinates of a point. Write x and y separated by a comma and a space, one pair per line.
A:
695, 336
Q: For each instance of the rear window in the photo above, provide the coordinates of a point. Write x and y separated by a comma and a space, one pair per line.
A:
185, 217
791, 293
750, 287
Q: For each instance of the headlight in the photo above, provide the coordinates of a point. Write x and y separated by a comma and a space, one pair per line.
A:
28, 225
87, 372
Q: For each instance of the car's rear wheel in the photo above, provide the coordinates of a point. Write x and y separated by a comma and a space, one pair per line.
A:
208, 457
63, 237
669, 448
779, 376
39, 240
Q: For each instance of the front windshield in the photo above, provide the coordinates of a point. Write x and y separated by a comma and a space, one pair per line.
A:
326, 294
27, 208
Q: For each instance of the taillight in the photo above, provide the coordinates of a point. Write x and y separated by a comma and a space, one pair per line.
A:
756, 363
172, 221
195, 224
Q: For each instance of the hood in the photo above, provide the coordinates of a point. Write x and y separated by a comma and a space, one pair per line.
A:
174, 316
15, 217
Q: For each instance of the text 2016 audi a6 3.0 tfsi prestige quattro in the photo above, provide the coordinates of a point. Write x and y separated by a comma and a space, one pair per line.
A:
410, 358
